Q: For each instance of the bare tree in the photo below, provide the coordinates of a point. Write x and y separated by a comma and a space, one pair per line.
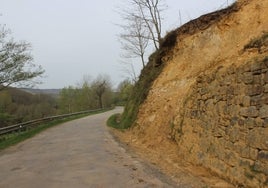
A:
142, 26
135, 40
100, 86
149, 11
16, 62
129, 69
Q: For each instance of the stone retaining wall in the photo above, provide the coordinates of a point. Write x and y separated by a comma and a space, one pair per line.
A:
224, 123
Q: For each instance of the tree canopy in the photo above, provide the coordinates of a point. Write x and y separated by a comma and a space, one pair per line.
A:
16, 62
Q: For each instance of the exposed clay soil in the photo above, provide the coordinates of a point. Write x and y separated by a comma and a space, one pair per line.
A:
169, 162
200, 46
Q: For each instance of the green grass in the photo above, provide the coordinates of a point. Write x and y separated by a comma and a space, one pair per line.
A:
12, 139
114, 121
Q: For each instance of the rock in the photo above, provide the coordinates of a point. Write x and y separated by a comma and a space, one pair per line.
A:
249, 111
263, 156
255, 101
248, 78
254, 90
264, 112
266, 77
265, 88
246, 101
250, 123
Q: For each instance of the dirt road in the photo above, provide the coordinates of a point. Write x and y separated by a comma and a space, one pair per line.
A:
79, 154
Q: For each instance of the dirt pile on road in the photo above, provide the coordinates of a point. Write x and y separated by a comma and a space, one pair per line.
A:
208, 105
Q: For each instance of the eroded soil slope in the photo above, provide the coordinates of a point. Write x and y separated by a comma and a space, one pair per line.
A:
214, 82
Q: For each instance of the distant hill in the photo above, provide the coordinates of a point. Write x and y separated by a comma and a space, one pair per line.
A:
21, 105
53, 92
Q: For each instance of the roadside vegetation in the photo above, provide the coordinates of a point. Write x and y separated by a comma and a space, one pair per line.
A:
17, 106
138, 93
12, 139
114, 121
141, 34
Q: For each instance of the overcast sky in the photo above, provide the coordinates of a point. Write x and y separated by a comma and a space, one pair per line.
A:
73, 38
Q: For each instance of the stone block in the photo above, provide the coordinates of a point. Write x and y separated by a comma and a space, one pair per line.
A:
257, 138
248, 78
254, 90
265, 123
257, 72
230, 90
242, 149
218, 133
233, 110
246, 163
231, 70
203, 91
255, 101
241, 89
246, 68
253, 154
228, 80
234, 121
239, 76
264, 70
246, 101
266, 77
264, 112
249, 111
218, 98
250, 123
199, 79
264, 99
259, 167
241, 122
194, 114
263, 156
259, 122
220, 152
256, 66
223, 122
220, 107
265, 88
231, 159
257, 79
234, 135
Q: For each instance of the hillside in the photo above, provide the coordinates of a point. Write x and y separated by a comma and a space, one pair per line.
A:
52, 92
205, 104
17, 105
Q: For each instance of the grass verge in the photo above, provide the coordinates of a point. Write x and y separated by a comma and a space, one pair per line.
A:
114, 121
12, 139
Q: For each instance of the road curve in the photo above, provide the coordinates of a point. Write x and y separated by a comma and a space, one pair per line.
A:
79, 154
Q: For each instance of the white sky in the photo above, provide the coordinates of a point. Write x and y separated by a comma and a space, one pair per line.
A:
73, 38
